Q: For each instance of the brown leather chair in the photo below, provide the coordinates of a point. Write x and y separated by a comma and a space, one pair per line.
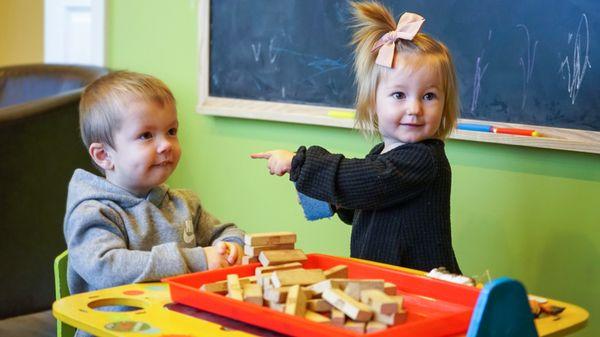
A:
40, 147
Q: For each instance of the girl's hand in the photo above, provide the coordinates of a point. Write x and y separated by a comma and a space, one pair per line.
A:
231, 251
280, 161
214, 259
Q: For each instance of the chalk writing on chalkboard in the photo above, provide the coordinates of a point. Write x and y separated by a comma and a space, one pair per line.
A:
579, 62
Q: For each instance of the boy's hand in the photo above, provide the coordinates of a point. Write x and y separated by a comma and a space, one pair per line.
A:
232, 252
280, 161
214, 259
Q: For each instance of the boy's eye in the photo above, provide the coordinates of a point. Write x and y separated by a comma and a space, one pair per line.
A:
429, 96
398, 95
173, 131
145, 135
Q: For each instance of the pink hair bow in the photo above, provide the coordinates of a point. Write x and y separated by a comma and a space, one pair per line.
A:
408, 26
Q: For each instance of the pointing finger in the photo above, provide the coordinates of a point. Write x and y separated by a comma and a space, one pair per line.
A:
264, 155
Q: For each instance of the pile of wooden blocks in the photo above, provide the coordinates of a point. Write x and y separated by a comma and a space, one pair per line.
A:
323, 296
255, 244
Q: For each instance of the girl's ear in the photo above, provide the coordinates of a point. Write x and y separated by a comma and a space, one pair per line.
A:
100, 155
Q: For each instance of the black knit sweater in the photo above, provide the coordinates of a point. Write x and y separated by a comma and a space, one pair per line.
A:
398, 203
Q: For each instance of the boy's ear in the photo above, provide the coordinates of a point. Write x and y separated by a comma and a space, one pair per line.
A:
100, 155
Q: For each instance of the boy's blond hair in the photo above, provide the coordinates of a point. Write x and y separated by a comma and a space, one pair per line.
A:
104, 101
371, 21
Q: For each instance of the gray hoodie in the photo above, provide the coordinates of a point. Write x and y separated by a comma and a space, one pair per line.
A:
116, 238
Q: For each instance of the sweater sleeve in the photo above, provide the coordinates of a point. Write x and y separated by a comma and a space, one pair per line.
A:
209, 230
99, 253
370, 183
346, 215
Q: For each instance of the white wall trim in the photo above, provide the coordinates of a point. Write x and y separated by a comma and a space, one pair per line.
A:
75, 31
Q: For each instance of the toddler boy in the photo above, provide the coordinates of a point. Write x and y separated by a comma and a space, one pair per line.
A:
128, 226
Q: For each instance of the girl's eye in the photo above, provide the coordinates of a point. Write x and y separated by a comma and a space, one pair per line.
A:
145, 135
429, 96
173, 131
398, 95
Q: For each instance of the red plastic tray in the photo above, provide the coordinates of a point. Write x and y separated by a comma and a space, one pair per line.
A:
435, 308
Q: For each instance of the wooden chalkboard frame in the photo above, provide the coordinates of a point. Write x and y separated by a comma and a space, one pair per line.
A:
552, 138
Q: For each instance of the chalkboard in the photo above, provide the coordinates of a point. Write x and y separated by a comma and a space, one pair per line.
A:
528, 62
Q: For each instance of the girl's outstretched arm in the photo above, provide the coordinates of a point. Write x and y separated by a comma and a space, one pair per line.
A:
370, 183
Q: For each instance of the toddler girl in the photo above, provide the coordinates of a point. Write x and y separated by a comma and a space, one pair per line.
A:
397, 198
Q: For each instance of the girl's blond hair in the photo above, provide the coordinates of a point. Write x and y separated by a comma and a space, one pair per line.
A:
371, 21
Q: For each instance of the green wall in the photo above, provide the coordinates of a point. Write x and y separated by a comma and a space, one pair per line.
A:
525, 213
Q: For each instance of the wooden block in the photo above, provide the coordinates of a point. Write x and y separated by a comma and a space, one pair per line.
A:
281, 278
400, 301
390, 289
318, 305
373, 326
353, 290
355, 326
275, 257
337, 317
220, 287
320, 287
295, 304
309, 293
266, 284
366, 283
248, 279
339, 271
277, 295
249, 259
276, 306
393, 319
292, 265
255, 250
379, 301
272, 238
399, 317
252, 293
234, 288
264, 277
315, 317
280, 294
355, 287
351, 307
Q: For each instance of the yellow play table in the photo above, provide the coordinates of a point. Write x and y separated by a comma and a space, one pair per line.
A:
158, 316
